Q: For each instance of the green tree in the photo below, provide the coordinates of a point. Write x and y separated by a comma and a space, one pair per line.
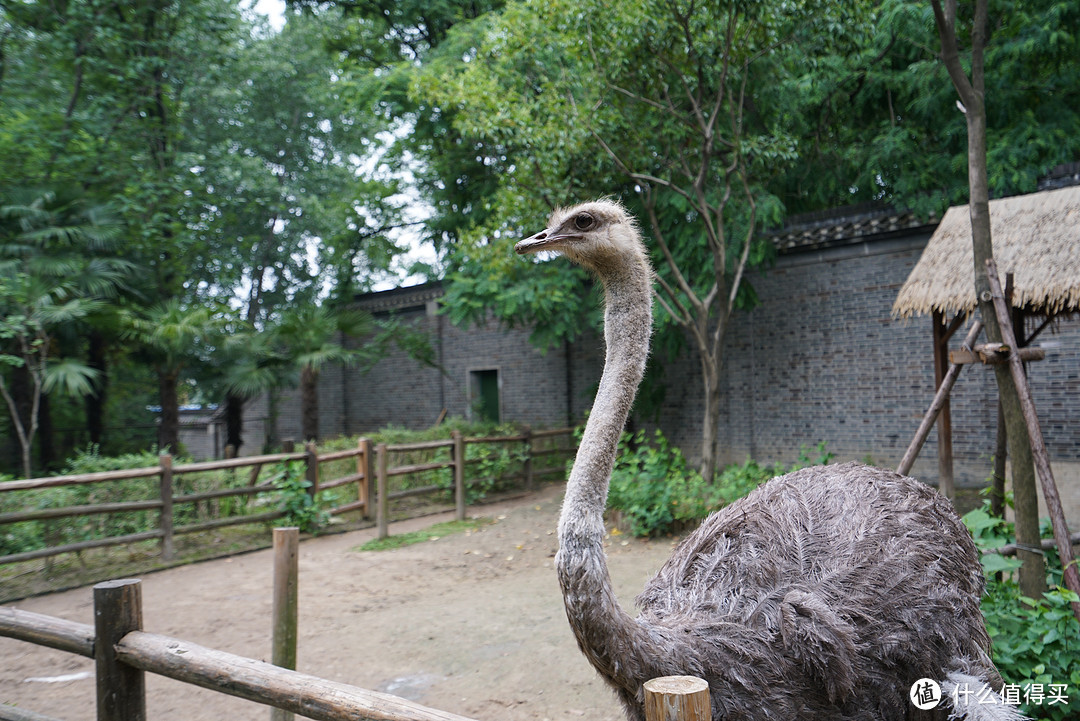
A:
668, 104
30, 311
970, 85
173, 336
311, 337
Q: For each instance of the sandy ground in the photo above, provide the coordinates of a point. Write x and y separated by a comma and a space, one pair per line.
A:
470, 623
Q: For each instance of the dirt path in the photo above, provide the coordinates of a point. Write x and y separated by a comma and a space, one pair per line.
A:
471, 624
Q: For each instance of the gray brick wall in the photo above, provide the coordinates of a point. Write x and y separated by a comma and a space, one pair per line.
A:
820, 359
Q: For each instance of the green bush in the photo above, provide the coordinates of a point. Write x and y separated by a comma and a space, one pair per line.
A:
656, 492
301, 509
1036, 641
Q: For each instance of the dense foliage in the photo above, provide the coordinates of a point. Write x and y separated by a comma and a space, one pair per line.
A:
172, 175
1036, 641
653, 492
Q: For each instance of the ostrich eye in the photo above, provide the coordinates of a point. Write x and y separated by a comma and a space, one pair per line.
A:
584, 221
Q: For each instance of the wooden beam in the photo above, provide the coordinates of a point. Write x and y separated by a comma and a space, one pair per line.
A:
992, 353
261, 682
37, 628
1038, 446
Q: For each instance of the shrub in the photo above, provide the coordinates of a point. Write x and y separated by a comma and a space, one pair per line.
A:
656, 492
1036, 641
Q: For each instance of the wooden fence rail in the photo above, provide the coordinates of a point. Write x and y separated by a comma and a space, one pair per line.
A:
120, 664
369, 464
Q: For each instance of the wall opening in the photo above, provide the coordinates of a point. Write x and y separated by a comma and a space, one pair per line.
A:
484, 395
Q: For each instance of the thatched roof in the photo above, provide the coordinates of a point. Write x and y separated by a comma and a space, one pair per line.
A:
1036, 238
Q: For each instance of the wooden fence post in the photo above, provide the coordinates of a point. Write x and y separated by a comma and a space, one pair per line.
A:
365, 464
527, 466
284, 610
381, 501
121, 689
165, 487
311, 467
459, 474
677, 698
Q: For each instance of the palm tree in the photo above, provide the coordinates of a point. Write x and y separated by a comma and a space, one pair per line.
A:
312, 336
245, 365
173, 335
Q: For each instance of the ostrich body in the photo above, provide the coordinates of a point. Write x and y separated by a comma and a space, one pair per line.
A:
823, 594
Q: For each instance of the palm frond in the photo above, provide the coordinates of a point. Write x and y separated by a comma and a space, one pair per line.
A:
70, 377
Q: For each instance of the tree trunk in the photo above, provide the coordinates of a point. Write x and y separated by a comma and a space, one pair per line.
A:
971, 93
1025, 496
309, 403
46, 435
710, 374
234, 421
95, 401
169, 429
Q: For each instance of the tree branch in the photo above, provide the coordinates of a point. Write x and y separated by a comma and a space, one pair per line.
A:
950, 54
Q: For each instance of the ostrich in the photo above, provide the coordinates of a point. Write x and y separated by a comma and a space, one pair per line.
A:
823, 594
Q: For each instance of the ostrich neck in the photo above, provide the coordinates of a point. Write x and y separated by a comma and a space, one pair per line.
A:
604, 631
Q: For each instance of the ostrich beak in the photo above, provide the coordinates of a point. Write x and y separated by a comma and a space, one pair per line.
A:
544, 240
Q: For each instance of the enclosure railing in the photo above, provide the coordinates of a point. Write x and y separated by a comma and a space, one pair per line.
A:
370, 477
122, 652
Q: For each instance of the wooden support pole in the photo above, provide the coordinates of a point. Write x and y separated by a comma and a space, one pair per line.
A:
677, 698
944, 422
1001, 452
381, 499
459, 475
993, 353
121, 689
284, 610
939, 400
166, 492
1038, 446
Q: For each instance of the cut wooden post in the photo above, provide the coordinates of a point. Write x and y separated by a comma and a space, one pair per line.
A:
364, 465
1038, 446
230, 451
677, 698
939, 400
459, 475
165, 488
311, 467
121, 689
381, 501
284, 610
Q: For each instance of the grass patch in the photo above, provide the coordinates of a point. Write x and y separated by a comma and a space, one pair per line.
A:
428, 534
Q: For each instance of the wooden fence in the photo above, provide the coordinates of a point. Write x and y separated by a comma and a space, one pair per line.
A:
371, 479
123, 652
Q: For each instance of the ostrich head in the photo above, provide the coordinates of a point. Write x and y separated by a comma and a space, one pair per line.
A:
599, 235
